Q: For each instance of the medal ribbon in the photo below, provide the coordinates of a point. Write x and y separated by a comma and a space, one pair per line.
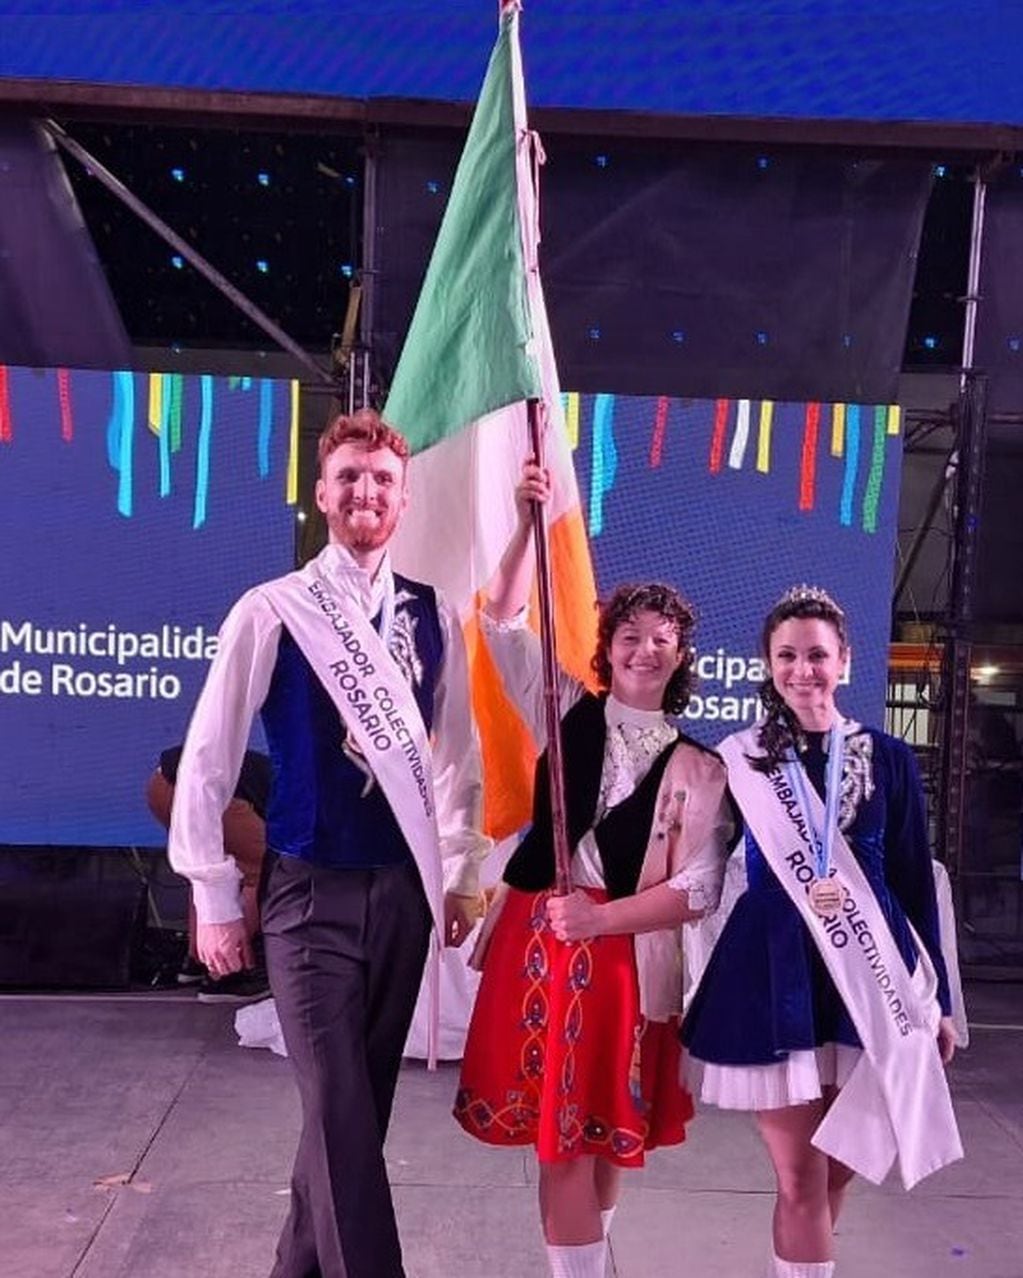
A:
823, 841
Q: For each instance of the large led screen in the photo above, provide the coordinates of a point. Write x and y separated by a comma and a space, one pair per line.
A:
850, 59
135, 509
733, 501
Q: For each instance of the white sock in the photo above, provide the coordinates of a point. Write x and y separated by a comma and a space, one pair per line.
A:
585, 1261
803, 1268
607, 1214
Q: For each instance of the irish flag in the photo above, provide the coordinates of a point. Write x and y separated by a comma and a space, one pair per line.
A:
478, 347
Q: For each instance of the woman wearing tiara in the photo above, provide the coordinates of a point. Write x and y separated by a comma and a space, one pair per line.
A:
824, 1008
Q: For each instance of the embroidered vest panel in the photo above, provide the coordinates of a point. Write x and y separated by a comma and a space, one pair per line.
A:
621, 835
322, 807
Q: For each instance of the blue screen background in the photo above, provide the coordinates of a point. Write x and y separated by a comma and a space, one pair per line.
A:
73, 768
937, 60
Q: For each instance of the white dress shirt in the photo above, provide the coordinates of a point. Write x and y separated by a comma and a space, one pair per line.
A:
236, 687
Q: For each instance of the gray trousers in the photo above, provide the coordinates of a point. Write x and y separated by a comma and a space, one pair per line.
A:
345, 951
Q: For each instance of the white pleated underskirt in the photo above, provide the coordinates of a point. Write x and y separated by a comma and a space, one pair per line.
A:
793, 1081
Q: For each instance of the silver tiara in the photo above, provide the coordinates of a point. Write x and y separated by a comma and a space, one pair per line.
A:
808, 594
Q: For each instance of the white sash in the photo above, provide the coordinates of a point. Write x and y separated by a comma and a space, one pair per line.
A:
896, 1102
380, 713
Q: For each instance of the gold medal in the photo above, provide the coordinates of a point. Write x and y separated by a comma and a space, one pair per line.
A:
827, 896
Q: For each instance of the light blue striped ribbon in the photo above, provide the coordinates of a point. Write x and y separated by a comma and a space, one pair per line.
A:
852, 463
202, 467
120, 438
605, 460
266, 408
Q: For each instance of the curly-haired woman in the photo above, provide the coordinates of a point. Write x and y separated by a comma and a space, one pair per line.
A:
573, 1044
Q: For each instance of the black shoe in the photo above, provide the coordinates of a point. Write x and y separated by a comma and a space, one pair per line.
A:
191, 972
247, 986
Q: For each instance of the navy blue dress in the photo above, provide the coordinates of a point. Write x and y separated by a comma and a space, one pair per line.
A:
766, 991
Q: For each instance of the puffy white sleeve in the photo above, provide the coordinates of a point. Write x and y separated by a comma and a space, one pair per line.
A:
516, 652
235, 688
457, 766
702, 877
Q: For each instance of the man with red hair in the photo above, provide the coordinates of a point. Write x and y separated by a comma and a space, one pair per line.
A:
360, 678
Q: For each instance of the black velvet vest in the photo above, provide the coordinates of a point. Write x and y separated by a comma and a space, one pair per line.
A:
623, 833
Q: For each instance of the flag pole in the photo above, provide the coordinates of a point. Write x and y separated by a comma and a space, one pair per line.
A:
552, 709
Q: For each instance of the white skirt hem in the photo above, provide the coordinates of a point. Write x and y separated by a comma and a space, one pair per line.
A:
795, 1080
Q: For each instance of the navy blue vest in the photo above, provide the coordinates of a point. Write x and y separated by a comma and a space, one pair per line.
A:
318, 810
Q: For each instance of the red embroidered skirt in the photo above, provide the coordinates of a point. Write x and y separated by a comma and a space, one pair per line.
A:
558, 1055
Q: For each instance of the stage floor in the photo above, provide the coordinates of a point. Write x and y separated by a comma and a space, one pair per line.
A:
137, 1141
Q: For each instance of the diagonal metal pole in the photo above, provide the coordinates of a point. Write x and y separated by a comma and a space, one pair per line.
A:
191, 255
552, 710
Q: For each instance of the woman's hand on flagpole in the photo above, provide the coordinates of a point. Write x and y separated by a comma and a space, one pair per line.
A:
509, 589
534, 487
575, 917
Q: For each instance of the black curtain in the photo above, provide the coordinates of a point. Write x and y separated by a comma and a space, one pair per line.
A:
998, 579
693, 271
998, 349
998, 352
56, 309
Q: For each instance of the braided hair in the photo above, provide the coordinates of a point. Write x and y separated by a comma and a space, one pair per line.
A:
666, 601
781, 731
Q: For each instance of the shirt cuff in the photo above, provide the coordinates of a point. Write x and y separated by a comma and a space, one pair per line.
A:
518, 621
217, 902
462, 873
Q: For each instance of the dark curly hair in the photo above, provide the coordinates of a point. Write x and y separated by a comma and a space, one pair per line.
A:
780, 731
651, 596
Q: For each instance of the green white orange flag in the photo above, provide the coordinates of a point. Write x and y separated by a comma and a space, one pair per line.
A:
478, 347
